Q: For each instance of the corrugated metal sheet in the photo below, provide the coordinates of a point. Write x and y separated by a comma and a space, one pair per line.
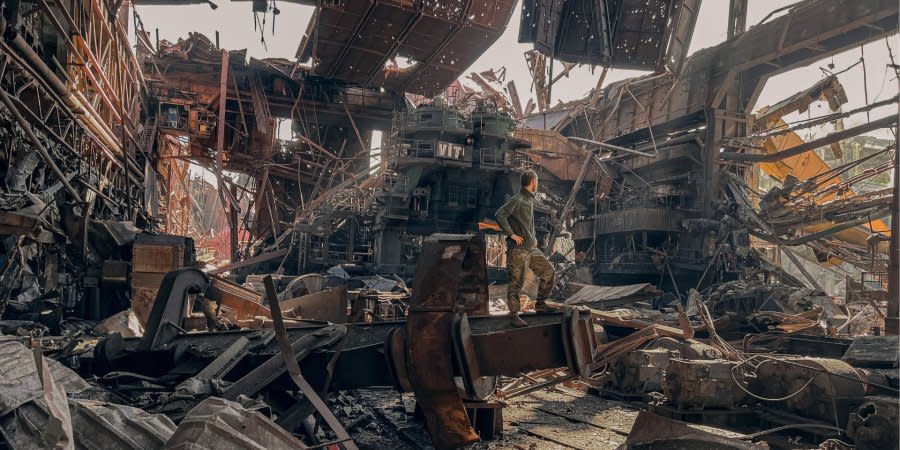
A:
592, 293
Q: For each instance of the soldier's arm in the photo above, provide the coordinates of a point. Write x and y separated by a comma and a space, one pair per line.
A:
503, 215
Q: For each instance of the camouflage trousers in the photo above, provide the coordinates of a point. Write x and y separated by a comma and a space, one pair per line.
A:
519, 261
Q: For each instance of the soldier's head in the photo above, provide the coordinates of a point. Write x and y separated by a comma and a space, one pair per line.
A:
530, 181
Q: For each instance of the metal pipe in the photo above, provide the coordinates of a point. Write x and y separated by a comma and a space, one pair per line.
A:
4, 97
611, 146
18, 43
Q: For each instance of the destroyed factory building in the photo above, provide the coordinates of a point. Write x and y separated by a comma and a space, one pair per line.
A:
220, 248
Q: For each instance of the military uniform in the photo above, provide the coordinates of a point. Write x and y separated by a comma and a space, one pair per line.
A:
516, 216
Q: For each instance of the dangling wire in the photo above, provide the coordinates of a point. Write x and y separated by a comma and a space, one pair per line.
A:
275, 11
259, 21
260, 24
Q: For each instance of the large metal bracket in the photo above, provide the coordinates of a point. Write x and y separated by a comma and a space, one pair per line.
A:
170, 306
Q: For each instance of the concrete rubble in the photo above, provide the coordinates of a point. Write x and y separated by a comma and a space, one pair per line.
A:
200, 249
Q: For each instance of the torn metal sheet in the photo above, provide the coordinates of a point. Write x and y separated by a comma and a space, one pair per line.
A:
124, 322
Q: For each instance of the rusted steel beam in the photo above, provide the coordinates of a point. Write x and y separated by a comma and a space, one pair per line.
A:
227, 201
287, 353
737, 18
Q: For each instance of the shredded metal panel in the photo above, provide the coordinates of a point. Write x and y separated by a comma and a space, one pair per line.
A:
360, 41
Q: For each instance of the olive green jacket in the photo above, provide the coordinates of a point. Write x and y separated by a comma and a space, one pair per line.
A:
516, 216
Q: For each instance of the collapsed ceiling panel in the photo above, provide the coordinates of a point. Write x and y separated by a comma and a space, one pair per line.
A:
628, 34
361, 42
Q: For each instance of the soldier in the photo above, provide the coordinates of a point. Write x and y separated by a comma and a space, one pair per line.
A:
516, 219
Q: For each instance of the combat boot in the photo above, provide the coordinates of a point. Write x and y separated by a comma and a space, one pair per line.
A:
542, 306
515, 321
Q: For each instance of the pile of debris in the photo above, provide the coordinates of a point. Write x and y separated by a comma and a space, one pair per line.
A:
264, 357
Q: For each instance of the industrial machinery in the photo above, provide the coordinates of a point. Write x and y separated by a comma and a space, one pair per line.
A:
447, 341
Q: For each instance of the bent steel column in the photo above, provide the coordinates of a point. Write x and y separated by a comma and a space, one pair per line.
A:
449, 267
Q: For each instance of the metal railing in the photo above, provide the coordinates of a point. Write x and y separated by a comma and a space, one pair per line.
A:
522, 161
492, 157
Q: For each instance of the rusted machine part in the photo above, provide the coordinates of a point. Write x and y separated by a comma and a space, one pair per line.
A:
874, 424
170, 306
446, 282
554, 341
395, 352
579, 341
477, 387
826, 389
702, 384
